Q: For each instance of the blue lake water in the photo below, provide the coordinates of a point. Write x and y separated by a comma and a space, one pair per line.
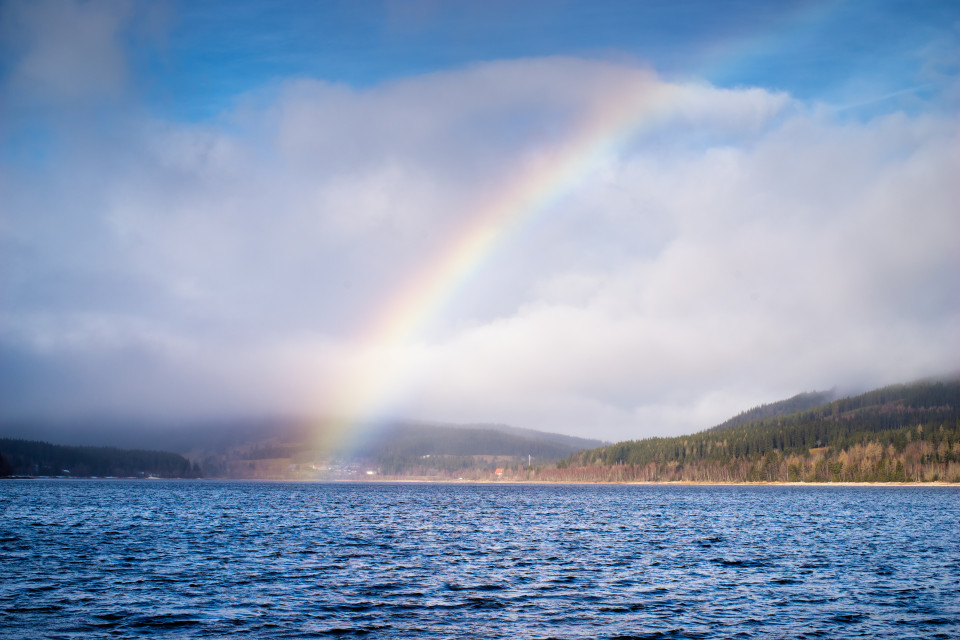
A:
115, 558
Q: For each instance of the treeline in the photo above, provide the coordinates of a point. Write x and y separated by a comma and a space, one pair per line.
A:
901, 433
32, 458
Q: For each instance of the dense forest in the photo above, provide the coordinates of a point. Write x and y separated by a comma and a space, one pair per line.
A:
31, 458
901, 433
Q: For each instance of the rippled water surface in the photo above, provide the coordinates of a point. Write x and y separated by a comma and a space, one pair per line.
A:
116, 558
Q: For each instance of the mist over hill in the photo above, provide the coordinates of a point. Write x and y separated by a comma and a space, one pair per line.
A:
402, 449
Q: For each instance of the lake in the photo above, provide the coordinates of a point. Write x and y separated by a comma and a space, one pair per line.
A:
127, 558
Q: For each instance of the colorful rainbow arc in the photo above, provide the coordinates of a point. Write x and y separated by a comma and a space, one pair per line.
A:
367, 390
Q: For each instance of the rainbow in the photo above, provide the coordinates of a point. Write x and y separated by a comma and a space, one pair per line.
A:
366, 392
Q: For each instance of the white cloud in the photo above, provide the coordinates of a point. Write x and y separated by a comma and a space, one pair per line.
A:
741, 249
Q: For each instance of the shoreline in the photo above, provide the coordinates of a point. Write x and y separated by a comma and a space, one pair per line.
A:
422, 480
661, 483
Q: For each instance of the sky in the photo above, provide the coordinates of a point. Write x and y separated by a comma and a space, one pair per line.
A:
605, 219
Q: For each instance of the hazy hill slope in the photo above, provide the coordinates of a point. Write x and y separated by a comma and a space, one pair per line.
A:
419, 440
799, 402
400, 449
572, 442
407, 448
900, 432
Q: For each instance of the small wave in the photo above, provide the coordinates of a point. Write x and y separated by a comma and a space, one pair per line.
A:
740, 562
48, 608
162, 621
112, 616
847, 618
624, 608
358, 630
479, 587
654, 635
355, 607
485, 603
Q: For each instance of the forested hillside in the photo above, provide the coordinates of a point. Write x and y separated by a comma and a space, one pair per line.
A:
904, 433
31, 458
